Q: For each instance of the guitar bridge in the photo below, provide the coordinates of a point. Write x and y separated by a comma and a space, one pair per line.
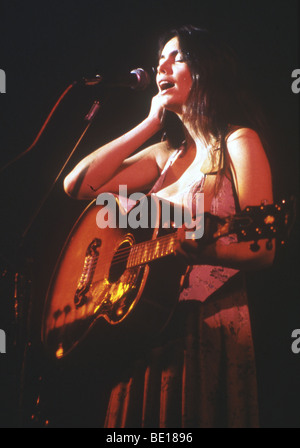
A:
89, 265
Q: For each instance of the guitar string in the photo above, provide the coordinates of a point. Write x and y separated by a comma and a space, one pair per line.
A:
139, 246
170, 238
140, 249
124, 254
150, 243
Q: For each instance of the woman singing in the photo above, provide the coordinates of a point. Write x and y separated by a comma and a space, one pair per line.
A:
202, 371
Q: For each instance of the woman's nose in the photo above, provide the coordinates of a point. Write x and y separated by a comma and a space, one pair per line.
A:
164, 66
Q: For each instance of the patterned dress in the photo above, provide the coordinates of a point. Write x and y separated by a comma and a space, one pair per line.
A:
201, 372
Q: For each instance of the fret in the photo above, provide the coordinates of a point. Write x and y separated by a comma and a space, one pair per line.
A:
163, 252
157, 248
148, 251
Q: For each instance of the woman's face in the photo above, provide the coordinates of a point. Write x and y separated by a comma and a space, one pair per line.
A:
173, 78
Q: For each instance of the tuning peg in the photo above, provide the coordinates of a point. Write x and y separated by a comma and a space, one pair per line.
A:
57, 314
255, 247
67, 309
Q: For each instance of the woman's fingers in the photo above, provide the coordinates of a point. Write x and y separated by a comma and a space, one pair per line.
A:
157, 110
186, 248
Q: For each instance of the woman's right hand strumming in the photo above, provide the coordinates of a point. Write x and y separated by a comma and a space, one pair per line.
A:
113, 164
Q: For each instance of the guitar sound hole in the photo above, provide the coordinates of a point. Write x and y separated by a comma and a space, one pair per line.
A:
119, 261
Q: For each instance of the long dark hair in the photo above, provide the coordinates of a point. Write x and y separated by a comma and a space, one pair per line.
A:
220, 96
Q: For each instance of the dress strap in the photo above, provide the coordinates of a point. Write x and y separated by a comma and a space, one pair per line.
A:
157, 186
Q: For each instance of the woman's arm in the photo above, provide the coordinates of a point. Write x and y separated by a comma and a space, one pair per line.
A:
251, 169
253, 184
111, 165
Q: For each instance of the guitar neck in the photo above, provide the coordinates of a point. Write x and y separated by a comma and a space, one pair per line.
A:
252, 224
147, 251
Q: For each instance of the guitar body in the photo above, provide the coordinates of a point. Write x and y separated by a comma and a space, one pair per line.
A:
92, 286
125, 283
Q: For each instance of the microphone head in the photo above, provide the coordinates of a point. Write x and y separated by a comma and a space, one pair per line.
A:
137, 79
143, 80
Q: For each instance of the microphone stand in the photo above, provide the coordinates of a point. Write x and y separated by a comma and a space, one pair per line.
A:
89, 118
19, 296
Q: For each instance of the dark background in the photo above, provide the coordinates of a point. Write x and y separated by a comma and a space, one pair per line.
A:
44, 47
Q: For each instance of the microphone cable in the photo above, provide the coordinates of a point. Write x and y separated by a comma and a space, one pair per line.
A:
41, 131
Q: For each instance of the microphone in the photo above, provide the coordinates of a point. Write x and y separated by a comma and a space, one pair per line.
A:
137, 79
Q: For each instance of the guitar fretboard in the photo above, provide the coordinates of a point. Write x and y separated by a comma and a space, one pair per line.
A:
148, 251
252, 224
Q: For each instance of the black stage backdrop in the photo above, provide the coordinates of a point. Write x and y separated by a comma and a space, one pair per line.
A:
46, 46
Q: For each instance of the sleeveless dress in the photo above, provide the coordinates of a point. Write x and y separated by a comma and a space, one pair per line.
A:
201, 373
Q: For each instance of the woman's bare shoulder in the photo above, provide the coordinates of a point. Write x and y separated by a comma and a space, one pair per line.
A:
246, 143
162, 151
238, 132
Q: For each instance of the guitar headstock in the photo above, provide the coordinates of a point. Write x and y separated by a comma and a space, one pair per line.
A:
266, 221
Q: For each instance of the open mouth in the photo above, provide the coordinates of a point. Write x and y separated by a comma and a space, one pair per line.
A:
166, 85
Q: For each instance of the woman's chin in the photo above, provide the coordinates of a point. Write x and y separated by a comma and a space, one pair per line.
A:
173, 107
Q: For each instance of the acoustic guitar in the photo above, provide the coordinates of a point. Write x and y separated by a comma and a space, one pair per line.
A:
125, 281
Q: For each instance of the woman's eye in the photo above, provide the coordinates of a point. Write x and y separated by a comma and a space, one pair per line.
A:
179, 58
